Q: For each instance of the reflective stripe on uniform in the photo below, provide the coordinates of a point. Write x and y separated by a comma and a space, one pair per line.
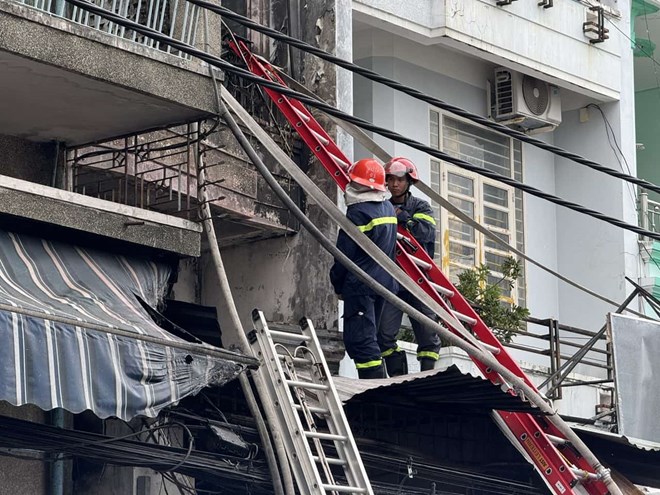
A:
375, 222
369, 364
389, 352
428, 354
424, 216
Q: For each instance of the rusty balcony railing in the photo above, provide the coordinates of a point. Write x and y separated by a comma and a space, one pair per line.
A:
157, 170
178, 19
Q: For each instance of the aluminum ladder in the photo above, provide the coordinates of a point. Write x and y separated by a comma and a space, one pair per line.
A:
298, 379
560, 466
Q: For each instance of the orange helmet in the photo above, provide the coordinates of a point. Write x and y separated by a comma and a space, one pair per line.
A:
368, 172
400, 167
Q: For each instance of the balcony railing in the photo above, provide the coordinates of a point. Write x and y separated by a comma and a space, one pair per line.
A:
649, 213
176, 18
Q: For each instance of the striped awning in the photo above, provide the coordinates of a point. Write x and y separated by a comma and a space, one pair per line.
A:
75, 336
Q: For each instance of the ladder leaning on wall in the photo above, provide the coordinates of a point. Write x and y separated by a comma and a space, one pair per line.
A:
561, 466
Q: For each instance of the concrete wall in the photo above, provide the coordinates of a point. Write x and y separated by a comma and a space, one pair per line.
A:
23, 476
521, 35
288, 277
34, 162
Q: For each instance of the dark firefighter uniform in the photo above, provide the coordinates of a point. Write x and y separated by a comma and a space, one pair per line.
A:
362, 307
417, 217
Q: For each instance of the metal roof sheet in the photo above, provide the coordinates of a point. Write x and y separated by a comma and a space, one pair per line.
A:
447, 386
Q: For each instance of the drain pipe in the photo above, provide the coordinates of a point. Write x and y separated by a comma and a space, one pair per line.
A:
227, 298
57, 466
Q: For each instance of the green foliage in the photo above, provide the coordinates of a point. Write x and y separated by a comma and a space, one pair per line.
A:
503, 318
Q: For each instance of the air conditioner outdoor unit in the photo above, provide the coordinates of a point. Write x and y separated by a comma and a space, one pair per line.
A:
524, 102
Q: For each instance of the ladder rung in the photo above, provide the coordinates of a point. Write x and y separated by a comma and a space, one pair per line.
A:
442, 290
288, 335
309, 385
421, 263
295, 360
326, 436
313, 409
464, 318
343, 488
302, 115
491, 348
557, 440
331, 460
584, 475
344, 165
324, 141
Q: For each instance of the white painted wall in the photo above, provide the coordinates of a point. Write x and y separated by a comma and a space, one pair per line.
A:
522, 35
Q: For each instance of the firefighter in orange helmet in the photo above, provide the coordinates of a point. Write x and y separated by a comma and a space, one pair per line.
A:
367, 207
416, 216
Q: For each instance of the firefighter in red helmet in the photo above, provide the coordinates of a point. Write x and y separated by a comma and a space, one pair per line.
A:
367, 207
416, 216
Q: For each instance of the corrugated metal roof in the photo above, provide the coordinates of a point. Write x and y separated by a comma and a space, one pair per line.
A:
448, 386
636, 459
617, 438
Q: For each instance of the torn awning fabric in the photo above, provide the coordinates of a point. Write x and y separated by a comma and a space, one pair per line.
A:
75, 336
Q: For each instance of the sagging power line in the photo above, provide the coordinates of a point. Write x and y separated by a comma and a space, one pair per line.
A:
419, 95
330, 110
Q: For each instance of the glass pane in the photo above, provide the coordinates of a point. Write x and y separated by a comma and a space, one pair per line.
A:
460, 185
453, 273
461, 254
494, 245
434, 140
494, 261
496, 218
464, 205
478, 146
496, 196
460, 231
496, 279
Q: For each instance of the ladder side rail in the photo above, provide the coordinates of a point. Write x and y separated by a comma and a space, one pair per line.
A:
460, 304
403, 258
481, 329
304, 409
314, 136
356, 473
298, 449
550, 460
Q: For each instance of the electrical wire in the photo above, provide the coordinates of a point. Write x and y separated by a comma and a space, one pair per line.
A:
419, 95
330, 110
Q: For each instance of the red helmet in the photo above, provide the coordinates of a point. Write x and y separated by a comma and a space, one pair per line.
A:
368, 172
400, 167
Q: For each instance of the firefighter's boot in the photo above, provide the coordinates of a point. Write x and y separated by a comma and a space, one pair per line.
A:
427, 363
373, 372
396, 363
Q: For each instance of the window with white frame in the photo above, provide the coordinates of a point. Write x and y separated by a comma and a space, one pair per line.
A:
495, 205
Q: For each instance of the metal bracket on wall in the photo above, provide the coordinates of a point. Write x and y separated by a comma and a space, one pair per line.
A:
546, 4
501, 3
595, 24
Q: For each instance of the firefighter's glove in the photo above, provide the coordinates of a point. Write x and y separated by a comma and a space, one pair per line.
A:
402, 216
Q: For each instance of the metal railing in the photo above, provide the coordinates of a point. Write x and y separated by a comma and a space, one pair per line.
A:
154, 170
649, 213
157, 170
176, 18
560, 343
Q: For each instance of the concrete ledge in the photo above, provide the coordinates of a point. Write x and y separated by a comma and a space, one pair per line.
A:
89, 215
93, 84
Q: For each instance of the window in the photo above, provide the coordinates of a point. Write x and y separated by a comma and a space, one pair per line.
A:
496, 206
